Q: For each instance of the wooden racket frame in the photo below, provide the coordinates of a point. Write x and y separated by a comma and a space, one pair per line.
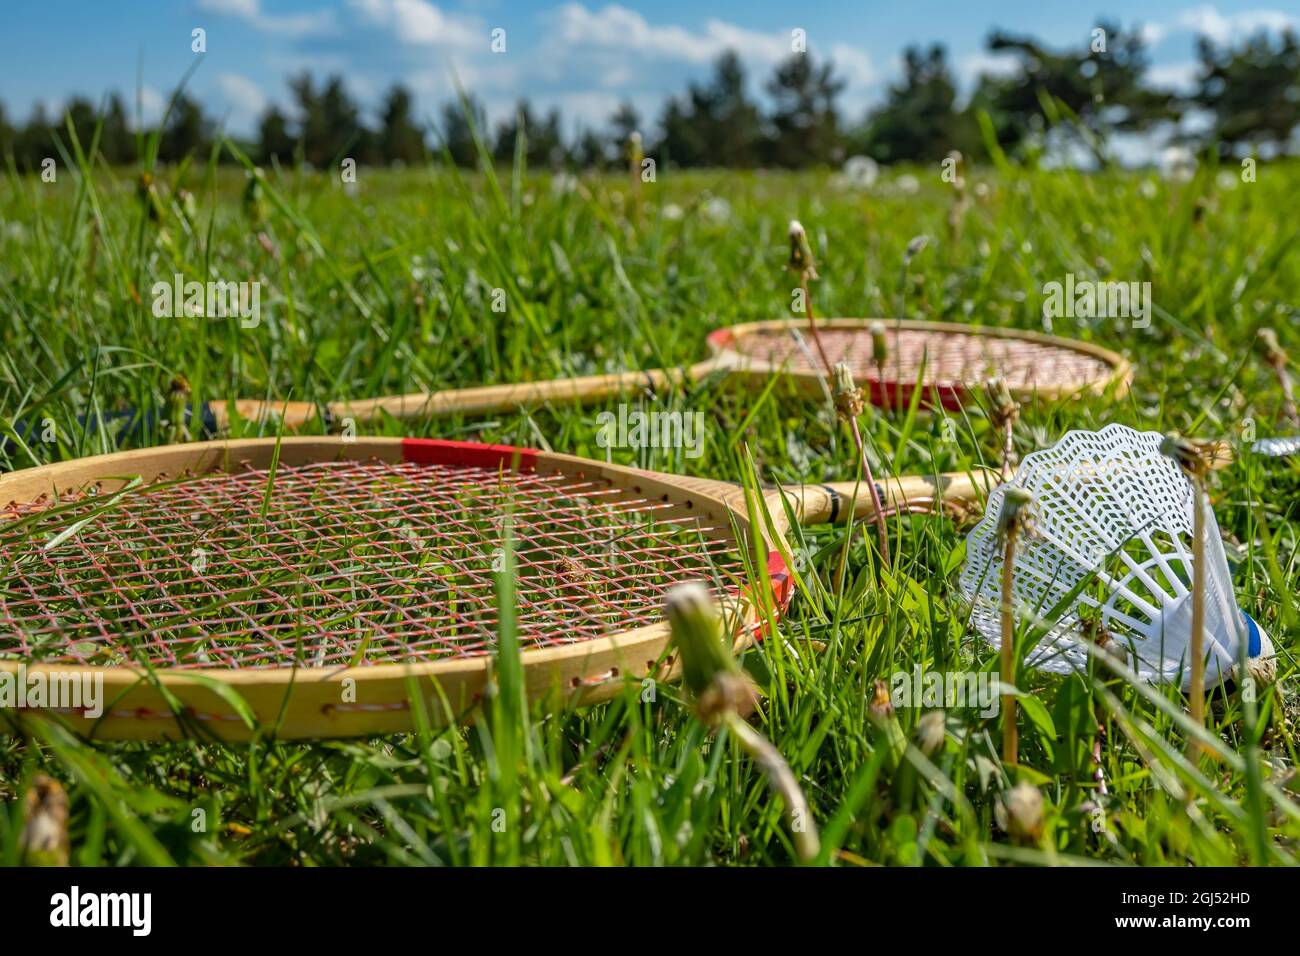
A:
306, 702
494, 399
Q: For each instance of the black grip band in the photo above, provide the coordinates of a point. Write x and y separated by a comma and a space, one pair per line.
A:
835, 503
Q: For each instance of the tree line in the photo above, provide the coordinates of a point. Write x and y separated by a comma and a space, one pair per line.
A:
1078, 96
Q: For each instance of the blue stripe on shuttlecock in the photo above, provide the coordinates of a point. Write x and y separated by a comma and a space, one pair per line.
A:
1253, 643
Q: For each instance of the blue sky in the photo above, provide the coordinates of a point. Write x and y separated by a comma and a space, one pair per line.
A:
581, 56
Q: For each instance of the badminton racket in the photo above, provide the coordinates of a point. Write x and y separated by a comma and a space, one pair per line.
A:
317, 585
946, 360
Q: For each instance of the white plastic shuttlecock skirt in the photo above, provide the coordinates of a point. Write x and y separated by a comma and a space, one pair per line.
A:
1112, 545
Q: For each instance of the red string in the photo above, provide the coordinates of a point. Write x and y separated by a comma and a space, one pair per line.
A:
954, 363
364, 562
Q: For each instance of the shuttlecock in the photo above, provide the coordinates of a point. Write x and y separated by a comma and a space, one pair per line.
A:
1112, 551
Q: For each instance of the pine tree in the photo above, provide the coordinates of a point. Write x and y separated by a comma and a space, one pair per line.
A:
590, 150
456, 133
543, 141
919, 121
804, 123
116, 142
81, 114
1090, 91
345, 136
1252, 91
625, 121
34, 142
7, 135
275, 143
313, 134
187, 131
400, 140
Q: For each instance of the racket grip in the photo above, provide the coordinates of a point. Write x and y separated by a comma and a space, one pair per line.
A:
833, 503
491, 399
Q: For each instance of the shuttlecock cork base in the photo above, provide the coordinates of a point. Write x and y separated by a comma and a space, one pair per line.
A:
1112, 551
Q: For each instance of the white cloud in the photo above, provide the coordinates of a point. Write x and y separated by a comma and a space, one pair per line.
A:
974, 65
1221, 28
853, 65
862, 88
613, 27
1178, 77
293, 25
1152, 33
245, 9
590, 109
245, 98
764, 47
616, 49
420, 23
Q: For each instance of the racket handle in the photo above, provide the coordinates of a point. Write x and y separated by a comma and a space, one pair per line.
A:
833, 503
213, 419
492, 399
294, 414
488, 399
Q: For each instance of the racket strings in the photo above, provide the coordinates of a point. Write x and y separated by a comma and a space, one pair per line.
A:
351, 563
950, 359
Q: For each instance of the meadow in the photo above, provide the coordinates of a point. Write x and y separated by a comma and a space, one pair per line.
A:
388, 286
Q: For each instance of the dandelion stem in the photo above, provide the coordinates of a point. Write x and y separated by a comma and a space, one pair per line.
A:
1003, 412
802, 264
1191, 458
812, 322
1015, 518
782, 780
1278, 359
721, 690
1098, 771
849, 405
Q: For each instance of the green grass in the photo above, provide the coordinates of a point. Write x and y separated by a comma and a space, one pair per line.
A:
389, 290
